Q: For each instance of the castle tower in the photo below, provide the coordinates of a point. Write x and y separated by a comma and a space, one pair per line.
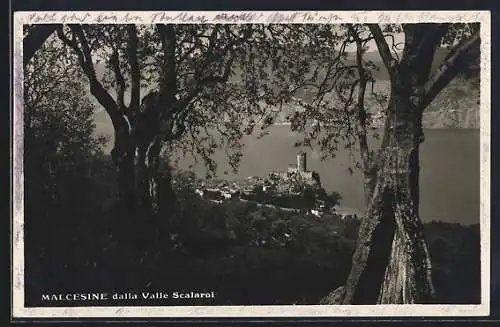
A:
302, 161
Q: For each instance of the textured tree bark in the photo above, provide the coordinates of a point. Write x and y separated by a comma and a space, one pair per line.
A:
153, 187
407, 278
146, 197
126, 182
391, 263
369, 179
142, 187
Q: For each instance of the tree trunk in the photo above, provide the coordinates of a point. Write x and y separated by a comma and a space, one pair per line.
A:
146, 159
35, 39
138, 136
391, 263
143, 189
369, 179
126, 181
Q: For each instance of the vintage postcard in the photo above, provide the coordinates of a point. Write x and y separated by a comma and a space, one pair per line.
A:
251, 164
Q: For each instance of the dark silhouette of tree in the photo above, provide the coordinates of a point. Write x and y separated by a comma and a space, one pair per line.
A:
391, 263
34, 37
61, 159
186, 83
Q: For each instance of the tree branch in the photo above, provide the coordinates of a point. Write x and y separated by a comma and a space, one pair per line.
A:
209, 58
135, 73
433, 35
85, 61
179, 122
209, 55
421, 42
361, 111
383, 48
168, 77
35, 38
450, 68
120, 81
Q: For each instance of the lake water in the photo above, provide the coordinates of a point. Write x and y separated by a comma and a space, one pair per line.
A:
449, 177
449, 170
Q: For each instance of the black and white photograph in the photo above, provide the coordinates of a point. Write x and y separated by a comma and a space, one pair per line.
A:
171, 164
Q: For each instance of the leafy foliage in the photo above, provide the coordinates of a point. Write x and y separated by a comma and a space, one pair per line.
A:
217, 78
229, 81
59, 140
336, 107
63, 165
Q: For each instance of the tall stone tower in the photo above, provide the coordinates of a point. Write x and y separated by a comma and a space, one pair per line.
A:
302, 161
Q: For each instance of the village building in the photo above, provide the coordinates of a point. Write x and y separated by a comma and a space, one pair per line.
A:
279, 191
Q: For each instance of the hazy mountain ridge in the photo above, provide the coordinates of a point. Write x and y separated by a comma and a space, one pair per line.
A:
456, 106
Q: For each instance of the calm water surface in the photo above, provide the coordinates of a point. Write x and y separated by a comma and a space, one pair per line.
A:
449, 178
449, 171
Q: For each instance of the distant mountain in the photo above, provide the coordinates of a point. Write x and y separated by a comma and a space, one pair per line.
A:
382, 74
457, 106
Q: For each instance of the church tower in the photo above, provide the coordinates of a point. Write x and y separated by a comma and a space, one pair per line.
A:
302, 161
